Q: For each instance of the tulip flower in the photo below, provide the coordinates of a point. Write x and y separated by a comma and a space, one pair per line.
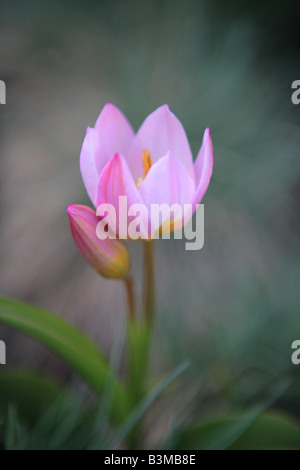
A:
153, 166
108, 257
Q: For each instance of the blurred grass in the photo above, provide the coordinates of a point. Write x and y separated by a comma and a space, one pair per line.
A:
232, 308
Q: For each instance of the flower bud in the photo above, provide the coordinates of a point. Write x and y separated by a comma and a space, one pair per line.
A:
108, 257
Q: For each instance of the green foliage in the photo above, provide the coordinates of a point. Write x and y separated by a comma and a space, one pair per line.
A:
64, 423
29, 393
244, 432
135, 417
68, 343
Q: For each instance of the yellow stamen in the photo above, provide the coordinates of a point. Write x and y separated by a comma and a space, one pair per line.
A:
147, 164
147, 161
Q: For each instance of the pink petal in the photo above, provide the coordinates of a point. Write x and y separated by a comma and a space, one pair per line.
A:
115, 181
203, 167
167, 182
112, 134
92, 160
160, 133
115, 132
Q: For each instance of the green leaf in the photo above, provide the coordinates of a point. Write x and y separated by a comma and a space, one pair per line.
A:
11, 429
267, 431
29, 393
68, 343
271, 431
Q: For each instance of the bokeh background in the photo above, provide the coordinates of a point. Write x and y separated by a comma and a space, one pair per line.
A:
232, 308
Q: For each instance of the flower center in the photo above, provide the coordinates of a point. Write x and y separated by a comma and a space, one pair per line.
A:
147, 164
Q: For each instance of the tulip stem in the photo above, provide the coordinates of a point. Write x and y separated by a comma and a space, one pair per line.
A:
130, 297
148, 282
139, 332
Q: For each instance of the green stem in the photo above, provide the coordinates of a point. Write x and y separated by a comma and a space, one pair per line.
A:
130, 297
138, 354
139, 331
148, 283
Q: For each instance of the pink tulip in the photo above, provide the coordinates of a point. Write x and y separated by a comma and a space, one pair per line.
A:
108, 257
153, 166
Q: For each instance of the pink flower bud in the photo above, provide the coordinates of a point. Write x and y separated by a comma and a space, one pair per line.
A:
108, 257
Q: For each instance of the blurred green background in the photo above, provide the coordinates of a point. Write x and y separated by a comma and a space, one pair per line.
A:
232, 308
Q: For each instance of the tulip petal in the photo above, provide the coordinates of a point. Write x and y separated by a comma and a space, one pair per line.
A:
114, 130
167, 182
160, 133
203, 167
92, 160
112, 133
115, 181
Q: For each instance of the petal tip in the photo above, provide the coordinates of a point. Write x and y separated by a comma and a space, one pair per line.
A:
166, 108
207, 137
116, 157
71, 209
108, 105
